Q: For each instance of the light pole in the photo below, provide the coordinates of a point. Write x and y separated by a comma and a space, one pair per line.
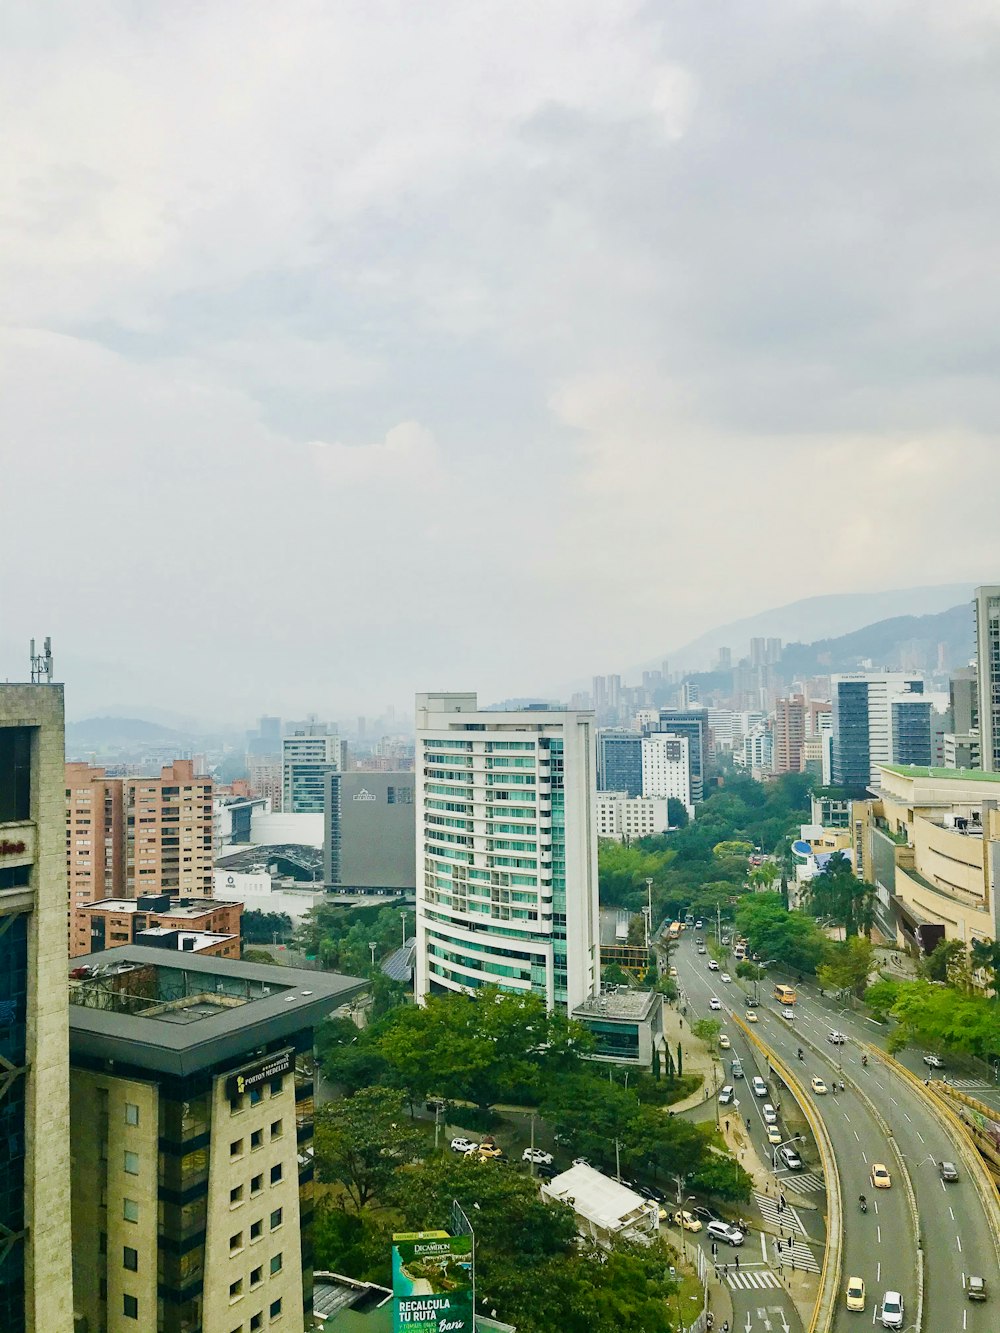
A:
403, 918
373, 945
796, 1138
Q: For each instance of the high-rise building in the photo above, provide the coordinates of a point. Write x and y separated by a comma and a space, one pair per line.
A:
692, 723
773, 652
724, 661
266, 740
308, 755
622, 816
95, 835
506, 842
863, 724
264, 777
168, 833
666, 768
192, 1115
619, 761
758, 652
789, 734
369, 832
35, 1279
987, 609
912, 730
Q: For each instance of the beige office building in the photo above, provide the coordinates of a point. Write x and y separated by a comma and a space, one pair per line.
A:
192, 1112
168, 833
35, 1283
95, 838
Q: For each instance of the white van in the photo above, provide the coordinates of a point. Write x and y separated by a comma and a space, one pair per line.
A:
759, 1086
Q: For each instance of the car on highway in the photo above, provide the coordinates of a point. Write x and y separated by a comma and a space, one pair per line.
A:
759, 1086
892, 1310
773, 1134
855, 1293
699, 924
817, 1085
737, 1068
538, 1156
948, 1171
725, 977
650, 1192
715, 1003
723, 1231
713, 966
837, 1038
976, 1290
724, 1042
790, 1157
788, 1013
701, 948
751, 1017
463, 1145
934, 1062
881, 1180
686, 1220
753, 1002
726, 1095
769, 1113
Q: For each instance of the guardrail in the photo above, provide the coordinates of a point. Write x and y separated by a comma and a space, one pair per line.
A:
949, 1121
829, 1278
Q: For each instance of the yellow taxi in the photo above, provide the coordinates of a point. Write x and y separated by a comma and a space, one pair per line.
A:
855, 1294
881, 1180
724, 1043
773, 1134
751, 1016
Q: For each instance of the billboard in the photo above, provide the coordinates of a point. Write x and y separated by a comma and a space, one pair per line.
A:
263, 1072
432, 1282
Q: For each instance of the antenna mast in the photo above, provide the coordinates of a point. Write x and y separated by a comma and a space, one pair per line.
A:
41, 663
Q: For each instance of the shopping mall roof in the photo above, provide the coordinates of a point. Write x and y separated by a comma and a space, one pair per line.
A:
954, 774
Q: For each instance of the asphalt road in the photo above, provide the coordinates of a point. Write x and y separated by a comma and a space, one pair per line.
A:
878, 1246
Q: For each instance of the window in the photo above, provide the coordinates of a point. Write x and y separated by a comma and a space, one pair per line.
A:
236, 1289
276, 1219
256, 1278
132, 1163
276, 1130
256, 1321
277, 1084
256, 1139
256, 1230
130, 1259
235, 1195
130, 1210
256, 1096
235, 1104
276, 1173
102, 1243
276, 1264
236, 1148
15, 774
257, 1184
130, 1307
275, 1308
131, 1113
236, 1242
237, 1329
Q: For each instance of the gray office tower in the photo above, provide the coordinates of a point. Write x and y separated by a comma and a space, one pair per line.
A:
370, 833
619, 761
692, 723
987, 608
878, 718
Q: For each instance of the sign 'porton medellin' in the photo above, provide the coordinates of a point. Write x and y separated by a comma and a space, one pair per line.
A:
262, 1072
432, 1282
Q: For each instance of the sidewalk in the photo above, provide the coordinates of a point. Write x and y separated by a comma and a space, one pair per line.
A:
698, 1059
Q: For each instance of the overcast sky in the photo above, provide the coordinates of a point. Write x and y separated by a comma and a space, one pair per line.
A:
353, 348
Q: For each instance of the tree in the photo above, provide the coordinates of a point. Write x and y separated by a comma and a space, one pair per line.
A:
763, 876
260, 956
722, 1176
985, 958
948, 961
929, 1013
261, 927
677, 813
613, 975
881, 996
722, 851
589, 1113
848, 965
361, 1141
347, 1056
839, 894
706, 1030
774, 933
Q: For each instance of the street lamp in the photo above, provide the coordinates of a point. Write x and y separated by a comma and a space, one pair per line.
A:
796, 1138
373, 945
403, 918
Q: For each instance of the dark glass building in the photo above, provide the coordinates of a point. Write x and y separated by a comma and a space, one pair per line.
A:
619, 762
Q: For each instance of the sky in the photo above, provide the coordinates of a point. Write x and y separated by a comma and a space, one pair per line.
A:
349, 349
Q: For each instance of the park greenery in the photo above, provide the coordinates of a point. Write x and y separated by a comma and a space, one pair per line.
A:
340, 938
265, 927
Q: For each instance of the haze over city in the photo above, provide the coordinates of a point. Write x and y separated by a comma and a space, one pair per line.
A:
351, 349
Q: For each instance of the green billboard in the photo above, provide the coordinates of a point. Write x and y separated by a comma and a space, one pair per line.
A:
432, 1282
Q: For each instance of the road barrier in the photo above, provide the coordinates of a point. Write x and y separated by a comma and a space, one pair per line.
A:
954, 1125
829, 1278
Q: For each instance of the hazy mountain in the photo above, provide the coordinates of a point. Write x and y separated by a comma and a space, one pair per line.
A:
103, 733
814, 619
902, 642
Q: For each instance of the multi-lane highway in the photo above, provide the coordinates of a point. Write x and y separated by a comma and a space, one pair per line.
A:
879, 1246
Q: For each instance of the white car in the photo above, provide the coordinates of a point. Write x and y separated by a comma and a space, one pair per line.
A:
724, 1043
713, 966
837, 1038
537, 1156
769, 1113
759, 1086
715, 1003
725, 977
726, 1095
723, 1231
788, 1013
463, 1145
892, 1310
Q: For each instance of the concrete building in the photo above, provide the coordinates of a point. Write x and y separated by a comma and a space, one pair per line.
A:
36, 1293
168, 832
931, 841
506, 850
264, 777
232, 818
627, 1025
261, 891
789, 734
693, 724
622, 816
986, 604
666, 768
95, 835
308, 755
863, 735
619, 761
758, 749
369, 843
111, 922
192, 1114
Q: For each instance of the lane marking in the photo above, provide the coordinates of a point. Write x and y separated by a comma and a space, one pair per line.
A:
959, 1240
879, 1230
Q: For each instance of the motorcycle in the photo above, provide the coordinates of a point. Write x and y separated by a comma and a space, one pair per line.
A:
863, 1204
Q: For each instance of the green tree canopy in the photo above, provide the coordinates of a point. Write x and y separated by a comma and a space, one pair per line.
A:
837, 893
791, 939
361, 1141
848, 965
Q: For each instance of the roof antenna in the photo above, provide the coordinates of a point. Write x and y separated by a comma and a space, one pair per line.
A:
41, 663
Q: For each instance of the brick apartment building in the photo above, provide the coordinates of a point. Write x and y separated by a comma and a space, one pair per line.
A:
113, 922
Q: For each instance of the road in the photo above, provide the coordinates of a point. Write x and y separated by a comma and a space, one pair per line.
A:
878, 1246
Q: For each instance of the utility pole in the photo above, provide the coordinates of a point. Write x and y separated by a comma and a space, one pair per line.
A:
649, 911
403, 916
618, 1165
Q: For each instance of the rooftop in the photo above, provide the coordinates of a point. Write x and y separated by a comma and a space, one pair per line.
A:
948, 774
603, 1201
621, 1004
178, 907
185, 941
177, 1013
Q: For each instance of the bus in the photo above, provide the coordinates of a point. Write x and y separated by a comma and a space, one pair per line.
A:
785, 994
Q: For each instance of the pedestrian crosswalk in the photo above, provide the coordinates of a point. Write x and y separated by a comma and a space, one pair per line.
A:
782, 1219
752, 1278
970, 1084
795, 1256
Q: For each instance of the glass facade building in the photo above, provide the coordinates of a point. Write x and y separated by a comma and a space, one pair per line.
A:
619, 762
